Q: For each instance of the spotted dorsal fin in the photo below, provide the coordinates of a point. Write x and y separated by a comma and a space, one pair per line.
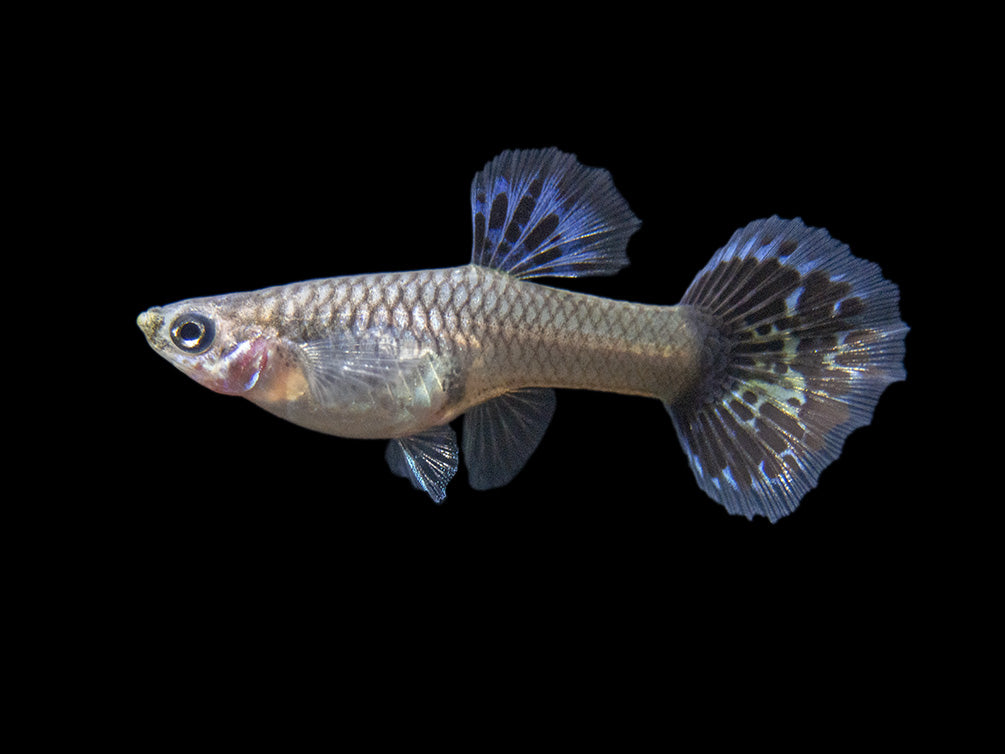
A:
539, 213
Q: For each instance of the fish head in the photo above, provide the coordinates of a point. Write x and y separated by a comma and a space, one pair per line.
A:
215, 349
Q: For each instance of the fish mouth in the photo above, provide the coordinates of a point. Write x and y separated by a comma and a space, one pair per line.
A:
150, 322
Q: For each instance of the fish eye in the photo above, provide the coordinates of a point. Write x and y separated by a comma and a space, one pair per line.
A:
192, 332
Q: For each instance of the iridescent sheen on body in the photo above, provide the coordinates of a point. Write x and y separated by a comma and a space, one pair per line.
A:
780, 348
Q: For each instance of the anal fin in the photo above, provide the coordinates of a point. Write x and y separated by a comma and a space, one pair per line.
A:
501, 434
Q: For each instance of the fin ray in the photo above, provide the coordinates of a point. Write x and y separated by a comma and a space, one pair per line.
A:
538, 213
428, 459
500, 435
357, 370
809, 336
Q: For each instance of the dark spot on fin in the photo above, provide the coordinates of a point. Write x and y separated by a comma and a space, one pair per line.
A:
548, 215
809, 336
479, 230
498, 213
541, 232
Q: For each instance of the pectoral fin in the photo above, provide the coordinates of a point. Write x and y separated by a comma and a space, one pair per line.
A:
357, 370
501, 434
428, 458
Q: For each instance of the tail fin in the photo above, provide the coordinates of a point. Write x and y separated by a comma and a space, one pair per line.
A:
810, 338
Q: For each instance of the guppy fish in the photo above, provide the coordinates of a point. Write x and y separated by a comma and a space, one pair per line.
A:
781, 346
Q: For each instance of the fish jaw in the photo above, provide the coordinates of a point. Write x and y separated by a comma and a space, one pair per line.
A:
237, 371
232, 366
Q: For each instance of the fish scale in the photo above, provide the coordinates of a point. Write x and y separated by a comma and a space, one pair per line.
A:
780, 348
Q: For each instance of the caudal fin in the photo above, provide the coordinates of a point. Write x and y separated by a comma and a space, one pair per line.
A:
810, 336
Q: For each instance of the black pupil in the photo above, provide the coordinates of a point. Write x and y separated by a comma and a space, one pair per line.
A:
190, 331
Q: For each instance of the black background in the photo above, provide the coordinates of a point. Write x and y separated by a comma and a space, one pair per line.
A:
247, 185
220, 530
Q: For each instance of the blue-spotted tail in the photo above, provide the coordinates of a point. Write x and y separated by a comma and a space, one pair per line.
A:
808, 338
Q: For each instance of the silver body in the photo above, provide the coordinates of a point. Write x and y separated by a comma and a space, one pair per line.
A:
389, 355
780, 348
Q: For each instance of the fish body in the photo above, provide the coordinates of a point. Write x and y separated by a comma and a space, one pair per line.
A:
781, 346
390, 355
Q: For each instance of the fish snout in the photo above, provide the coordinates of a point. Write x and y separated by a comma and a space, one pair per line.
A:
150, 322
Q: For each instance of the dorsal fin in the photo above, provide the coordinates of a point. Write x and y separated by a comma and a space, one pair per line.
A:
538, 212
